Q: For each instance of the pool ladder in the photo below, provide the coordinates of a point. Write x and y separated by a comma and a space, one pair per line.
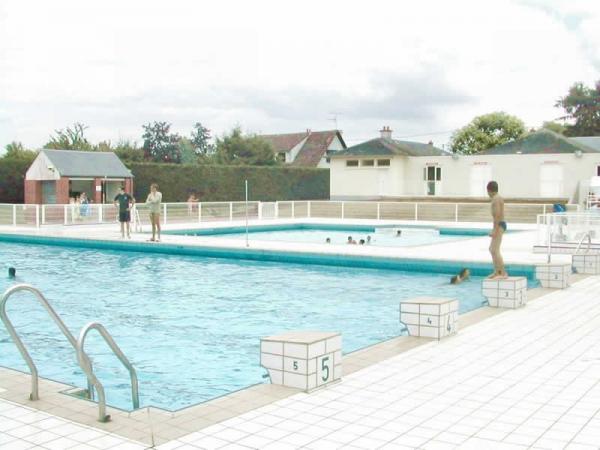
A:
83, 359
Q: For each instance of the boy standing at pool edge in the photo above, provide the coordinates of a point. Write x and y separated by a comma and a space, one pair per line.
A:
125, 202
499, 227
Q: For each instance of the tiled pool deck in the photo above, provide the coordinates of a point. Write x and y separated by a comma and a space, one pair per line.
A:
527, 378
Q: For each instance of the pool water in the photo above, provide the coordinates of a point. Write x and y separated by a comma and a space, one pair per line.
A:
338, 235
191, 325
386, 239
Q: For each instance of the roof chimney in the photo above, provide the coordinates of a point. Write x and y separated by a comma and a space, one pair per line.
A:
386, 132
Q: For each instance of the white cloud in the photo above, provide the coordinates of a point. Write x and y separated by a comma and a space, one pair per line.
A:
273, 66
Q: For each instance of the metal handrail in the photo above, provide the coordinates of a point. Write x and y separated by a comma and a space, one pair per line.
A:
87, 368
17, 340
586, 235
138, 221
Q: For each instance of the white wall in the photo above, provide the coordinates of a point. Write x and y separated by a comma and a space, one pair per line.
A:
365, 181
291, 155
517, 175
42, 169
334, 146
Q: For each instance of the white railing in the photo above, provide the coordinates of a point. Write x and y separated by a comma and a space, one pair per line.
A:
567, 228
201, 212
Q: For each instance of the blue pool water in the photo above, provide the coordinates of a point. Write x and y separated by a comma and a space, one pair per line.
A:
338, 234
191, 325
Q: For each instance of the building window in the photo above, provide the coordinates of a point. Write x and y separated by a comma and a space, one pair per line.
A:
327, 160
383, 162
281, 156
367, 163
352, 163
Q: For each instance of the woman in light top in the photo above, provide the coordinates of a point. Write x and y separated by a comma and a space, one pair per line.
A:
153, 202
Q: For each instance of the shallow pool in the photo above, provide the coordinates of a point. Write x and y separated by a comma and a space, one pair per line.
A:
191, 325
385, 236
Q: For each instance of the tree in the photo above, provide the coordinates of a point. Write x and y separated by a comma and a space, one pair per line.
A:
13, 166
159, 144
582, 107
201, 140
188, 151
487, 131
555, 126
70, 138
128, 151
251, 150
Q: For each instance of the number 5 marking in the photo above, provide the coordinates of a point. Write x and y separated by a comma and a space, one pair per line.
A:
295, 365
325, 368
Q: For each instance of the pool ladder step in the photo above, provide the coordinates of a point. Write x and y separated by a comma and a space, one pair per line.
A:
78, 345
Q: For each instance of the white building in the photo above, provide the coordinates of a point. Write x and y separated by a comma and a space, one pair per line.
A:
542, 164
306, 149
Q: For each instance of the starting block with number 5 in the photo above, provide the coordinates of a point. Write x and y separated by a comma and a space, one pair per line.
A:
302, 359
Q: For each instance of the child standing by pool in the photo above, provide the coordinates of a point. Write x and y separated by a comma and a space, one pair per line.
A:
125, 203
154, 199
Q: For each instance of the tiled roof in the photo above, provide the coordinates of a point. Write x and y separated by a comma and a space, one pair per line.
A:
540, 142
390, 147
284, 142
73, 163
316, 147
313, 149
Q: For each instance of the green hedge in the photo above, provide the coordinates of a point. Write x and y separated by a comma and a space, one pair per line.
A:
212, 183
12, 178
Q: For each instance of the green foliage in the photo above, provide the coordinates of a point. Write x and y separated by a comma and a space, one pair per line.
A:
558, 128
201, 140
238, 149
487, 131
159, 144
13, 166
226, 183
582, 107
127, 151
70, 138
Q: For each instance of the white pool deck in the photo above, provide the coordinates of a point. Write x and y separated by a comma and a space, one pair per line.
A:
521, 379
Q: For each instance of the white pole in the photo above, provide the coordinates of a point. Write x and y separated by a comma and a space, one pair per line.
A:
199, 212
247, 245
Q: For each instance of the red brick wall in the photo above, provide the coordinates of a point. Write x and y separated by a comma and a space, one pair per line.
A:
62, 191
96, 196
129, 185
33, 192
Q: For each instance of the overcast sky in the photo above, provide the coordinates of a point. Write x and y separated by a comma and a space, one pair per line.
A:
423, 68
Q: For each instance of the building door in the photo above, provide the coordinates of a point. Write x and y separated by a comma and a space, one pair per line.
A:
551, 180
481, 175
433, 179
48, 192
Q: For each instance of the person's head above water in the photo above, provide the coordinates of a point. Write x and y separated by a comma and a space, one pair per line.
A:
328, 240
12, 272
361, 242
454, 279
398, 232
368, 238
464, 273
349, 238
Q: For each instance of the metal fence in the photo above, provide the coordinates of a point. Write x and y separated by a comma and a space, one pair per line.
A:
568, 228
199, 212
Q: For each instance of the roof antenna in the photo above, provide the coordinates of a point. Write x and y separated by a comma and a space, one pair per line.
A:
335, 118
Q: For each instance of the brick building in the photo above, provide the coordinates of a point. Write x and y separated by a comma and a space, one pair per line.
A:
57, 175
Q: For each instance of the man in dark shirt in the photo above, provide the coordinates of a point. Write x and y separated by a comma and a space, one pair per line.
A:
125, 202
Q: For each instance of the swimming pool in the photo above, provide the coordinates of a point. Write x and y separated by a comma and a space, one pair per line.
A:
191, 325
386, 236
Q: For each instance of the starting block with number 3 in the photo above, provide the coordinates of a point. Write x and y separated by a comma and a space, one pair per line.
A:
303, 359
